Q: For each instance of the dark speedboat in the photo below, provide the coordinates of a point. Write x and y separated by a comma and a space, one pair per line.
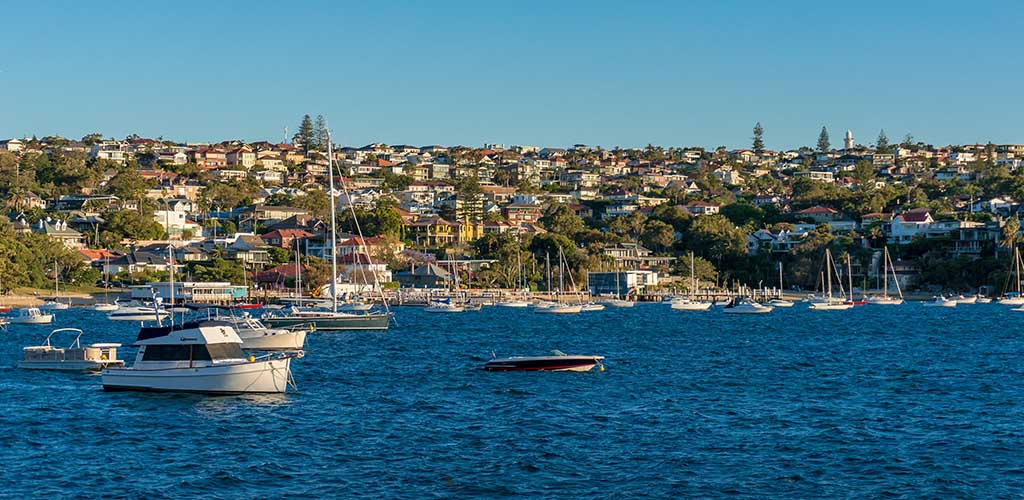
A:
557, 362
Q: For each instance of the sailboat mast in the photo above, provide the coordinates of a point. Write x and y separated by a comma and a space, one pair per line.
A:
828, 263
547, 261
334, 224
849, 274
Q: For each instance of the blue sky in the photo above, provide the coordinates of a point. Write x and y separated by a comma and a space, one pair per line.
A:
525, 72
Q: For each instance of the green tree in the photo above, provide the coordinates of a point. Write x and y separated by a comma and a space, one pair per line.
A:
320, 133
129, 224
1011, 232
882, 145
561, 219
758, 138
217, 269
128, 185
306, 136
658, 235
823, 143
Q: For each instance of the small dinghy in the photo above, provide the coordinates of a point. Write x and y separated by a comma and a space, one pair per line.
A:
558, 361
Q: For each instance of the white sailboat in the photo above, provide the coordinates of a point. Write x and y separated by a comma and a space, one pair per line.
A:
687, 304
1015, 298
830, 303
106, 306
780, 302
333, 319
518, 301
559, 307
619, 300
55, 304
885, 299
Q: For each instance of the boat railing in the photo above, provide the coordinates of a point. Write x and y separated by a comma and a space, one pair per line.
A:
272, 356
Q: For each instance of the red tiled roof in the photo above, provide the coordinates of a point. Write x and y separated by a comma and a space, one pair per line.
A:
818, 210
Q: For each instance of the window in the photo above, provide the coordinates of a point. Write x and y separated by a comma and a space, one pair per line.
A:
194, 352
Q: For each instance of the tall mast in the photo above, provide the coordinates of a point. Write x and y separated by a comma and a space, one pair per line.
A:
849, 273
547, 261
170, 261
885, 273
828, 263
334, 223
692, 290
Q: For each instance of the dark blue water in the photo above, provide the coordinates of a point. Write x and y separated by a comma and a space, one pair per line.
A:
902, 402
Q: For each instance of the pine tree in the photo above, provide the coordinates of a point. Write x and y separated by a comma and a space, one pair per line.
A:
758, 138
320, 133
882, 146
823, 144
306, 136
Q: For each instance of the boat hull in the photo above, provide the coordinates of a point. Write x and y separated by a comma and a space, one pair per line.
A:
691, 306
514, 303
559, 310
44, 319
355, 322
258, 377
544, 363
70, 366
274, 340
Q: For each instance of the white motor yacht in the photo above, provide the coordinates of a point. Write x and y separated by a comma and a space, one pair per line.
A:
259, 337
747, 307
966, 299
105, 307
445, 307
74, 357
202, 357
941, 301
52, 305
780, 303
591, 307
30, 316
135, 311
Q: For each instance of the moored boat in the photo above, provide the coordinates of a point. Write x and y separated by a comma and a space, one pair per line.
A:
93, 357
557, 361
202, 357
689, 305
743, 306
941, 301
30, 316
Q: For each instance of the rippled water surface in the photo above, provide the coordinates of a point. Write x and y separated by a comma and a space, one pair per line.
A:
874, 402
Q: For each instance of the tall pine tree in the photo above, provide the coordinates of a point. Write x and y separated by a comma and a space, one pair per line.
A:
306, 136
320, 133
823, 145
758, 138
882, 146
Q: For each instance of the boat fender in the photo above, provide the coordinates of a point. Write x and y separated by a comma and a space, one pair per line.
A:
602, 367
252, 359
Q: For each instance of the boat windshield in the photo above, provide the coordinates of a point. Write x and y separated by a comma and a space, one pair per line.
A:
193, 352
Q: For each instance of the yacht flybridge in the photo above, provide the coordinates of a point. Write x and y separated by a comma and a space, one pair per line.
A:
202, 357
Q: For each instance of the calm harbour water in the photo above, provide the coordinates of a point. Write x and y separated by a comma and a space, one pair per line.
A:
874, 402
